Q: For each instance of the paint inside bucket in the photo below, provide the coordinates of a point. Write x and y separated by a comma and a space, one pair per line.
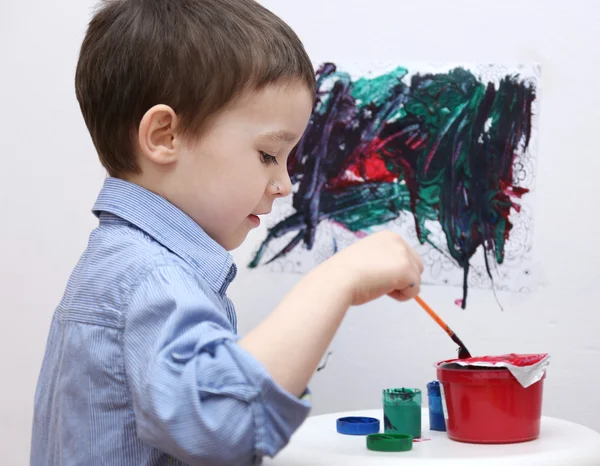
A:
491, 404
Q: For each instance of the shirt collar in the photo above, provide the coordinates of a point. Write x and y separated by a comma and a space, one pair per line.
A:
168, 225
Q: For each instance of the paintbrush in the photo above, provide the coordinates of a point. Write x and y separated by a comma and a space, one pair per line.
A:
463, 352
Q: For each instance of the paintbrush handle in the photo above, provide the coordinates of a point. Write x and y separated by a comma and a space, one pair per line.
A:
434, 316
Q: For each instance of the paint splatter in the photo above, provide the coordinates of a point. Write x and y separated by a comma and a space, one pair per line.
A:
441, 147
322, 366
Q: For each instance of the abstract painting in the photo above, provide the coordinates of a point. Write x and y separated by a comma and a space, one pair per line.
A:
444, 155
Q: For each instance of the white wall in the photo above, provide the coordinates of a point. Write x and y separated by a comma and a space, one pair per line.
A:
49, 178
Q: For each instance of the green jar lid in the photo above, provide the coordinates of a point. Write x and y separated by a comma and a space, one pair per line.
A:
389, 442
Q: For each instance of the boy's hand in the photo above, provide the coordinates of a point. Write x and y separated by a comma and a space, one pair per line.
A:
382, 263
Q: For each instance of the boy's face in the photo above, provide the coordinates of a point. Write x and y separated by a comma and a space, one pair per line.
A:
237, 169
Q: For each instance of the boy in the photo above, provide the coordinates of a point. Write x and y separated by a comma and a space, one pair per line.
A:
193, 107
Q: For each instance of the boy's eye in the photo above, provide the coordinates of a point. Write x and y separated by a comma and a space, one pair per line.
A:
268, 159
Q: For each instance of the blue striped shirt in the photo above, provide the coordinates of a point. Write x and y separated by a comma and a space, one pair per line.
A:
142, 365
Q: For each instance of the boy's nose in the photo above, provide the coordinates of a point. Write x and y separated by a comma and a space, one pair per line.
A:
282, 186
285, 185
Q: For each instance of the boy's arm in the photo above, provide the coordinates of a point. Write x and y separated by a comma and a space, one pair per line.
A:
197, 395
291, 341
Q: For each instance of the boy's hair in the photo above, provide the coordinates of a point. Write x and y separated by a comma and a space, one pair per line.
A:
194, 55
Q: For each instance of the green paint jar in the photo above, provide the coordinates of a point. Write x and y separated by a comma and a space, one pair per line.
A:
402, 411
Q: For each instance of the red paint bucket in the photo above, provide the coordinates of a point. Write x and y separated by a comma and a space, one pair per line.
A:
489, 405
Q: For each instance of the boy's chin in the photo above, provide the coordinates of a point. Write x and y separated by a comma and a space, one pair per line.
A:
235, 240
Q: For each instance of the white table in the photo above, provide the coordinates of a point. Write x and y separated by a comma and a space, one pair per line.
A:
318, 443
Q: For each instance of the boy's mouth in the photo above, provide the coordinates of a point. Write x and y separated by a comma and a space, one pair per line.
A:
255, 219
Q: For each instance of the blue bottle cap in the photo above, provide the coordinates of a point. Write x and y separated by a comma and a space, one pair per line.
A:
355, 425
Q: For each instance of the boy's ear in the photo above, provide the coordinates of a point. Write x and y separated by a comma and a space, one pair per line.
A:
156, 135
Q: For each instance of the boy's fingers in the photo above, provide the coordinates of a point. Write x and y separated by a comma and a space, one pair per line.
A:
412, 253
417, 265
412, 291
416, 260
412, 286
406, 294
398, 296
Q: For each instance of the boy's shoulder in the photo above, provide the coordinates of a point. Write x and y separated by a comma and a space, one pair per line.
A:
139, 236
118, 258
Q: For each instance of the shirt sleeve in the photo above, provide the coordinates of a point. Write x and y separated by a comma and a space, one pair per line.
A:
196, 394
